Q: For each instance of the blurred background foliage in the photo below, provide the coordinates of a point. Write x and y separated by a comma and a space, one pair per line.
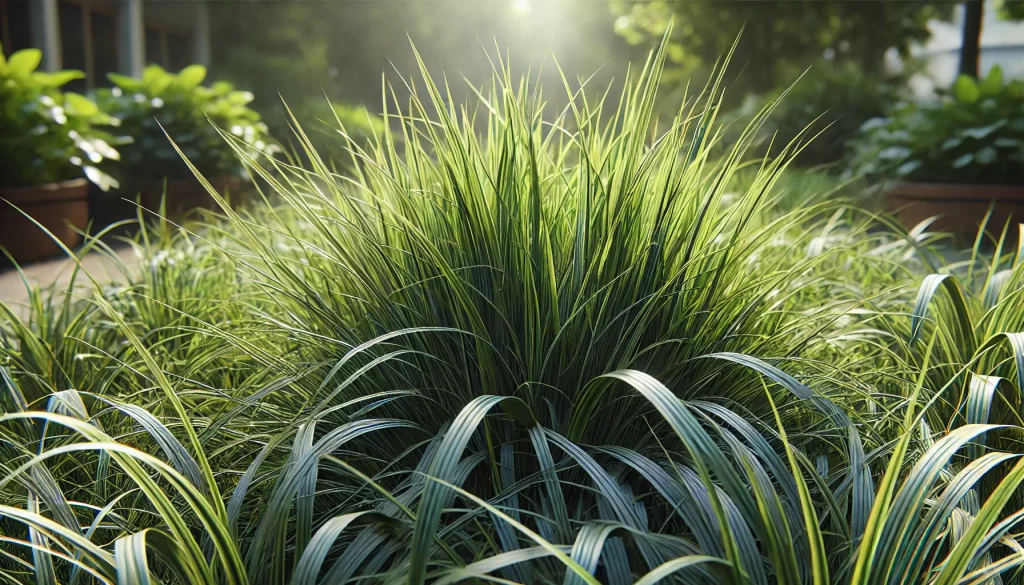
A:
833, 59
190, 113
823, 108
780, 38
311, 50
1010, 9
973, 133
837, 63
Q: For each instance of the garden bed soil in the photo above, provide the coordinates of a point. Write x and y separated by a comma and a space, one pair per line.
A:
62, 208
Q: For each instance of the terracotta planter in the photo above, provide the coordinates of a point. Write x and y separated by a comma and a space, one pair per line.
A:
183, 196
961, 208
59, 207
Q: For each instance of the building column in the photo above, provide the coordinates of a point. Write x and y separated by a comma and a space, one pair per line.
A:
131, 38
201, 34
46, 32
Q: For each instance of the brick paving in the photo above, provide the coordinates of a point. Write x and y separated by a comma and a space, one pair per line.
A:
102, 267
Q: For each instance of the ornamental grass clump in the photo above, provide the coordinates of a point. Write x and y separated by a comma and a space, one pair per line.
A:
507, 254
525, 346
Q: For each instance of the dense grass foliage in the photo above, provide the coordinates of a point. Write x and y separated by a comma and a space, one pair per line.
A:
516, 345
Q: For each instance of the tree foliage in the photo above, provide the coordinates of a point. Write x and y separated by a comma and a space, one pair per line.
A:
306, 50
780, 38
1010, 9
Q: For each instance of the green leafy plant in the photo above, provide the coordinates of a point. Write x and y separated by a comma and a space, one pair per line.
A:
357, 120
520, 349
774, 49
47, 135
829, 103
1010, 9
332, 129
975, 134
191, 114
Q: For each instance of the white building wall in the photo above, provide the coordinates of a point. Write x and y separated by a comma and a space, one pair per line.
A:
1002, 43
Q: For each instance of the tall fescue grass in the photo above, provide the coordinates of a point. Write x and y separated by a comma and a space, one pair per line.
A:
516, 345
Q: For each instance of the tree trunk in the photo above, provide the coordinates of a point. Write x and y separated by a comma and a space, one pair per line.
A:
970, 48
764, 70
872, 54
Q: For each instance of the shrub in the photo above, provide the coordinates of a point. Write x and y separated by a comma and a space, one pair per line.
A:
190, 114
829, 102
47, 135
973, 135
332, 129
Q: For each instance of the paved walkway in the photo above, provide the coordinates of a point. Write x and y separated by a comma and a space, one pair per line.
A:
102, 267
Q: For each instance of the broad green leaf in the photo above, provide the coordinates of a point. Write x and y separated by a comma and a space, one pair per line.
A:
982, 132
79, 105
987, 155
190, 76
992, 84
100, 179
239, 98
154, 75
22, 63
129, 85
965, 89
894, 153
56, 80
963, 160
908, 167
